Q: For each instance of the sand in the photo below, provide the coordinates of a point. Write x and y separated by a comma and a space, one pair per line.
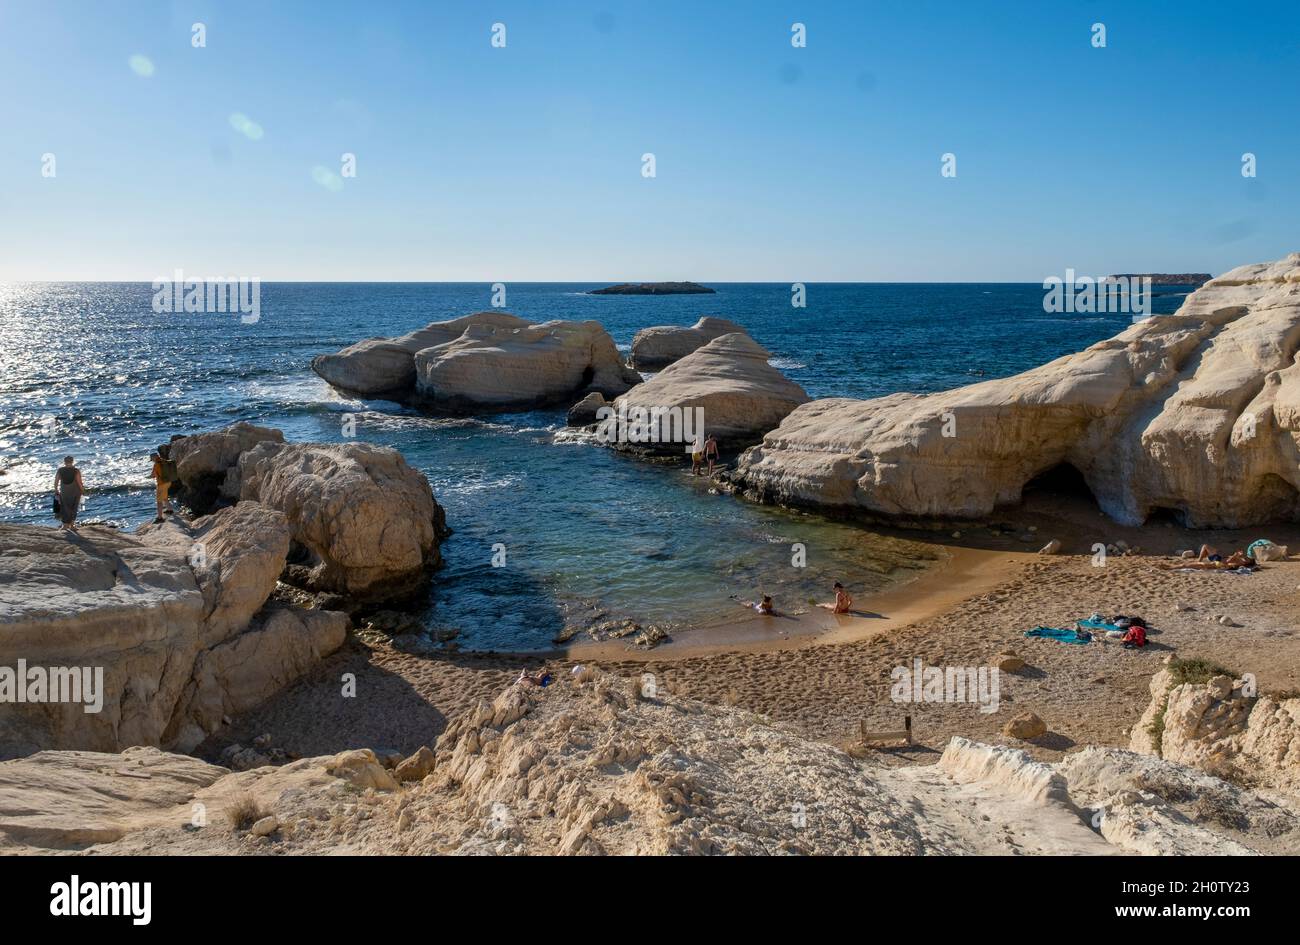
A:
830, 675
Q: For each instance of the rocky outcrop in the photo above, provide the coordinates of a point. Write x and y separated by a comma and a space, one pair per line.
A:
588, 766
658, 347
360, 520
535, 365
1196, 412
654, 288
485, 361
204, 460
386, 366
1222, 727
585, 411
154, 638
729, 379
363, 522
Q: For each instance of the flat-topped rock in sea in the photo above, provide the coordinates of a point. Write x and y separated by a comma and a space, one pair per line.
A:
484, 361
657, 347
654, 288
1196, 412
378, 367
530, 366
742, 396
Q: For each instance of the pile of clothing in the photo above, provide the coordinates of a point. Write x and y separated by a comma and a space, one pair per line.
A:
1128, 629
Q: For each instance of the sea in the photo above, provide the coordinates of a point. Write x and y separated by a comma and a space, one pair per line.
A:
580, 534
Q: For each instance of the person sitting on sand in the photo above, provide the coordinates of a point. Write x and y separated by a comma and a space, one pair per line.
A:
711, 454
765, 605
842, 600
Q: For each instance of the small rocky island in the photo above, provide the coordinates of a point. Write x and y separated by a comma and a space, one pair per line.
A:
654, 288
1197, 279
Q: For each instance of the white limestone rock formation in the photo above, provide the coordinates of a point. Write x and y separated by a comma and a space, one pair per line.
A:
1196, 412
741, 395
657, 347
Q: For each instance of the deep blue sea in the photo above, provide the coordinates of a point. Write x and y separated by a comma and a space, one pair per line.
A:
90, 369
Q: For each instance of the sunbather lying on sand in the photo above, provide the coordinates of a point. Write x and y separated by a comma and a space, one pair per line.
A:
1211, 560
763, 606
539, 678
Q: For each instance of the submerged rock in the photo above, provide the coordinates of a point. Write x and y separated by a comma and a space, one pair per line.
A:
1198, 412
658, 347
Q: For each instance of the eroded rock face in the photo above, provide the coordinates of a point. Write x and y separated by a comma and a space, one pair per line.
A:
658, 347
585, 766
1198, 412
484, 361
366, 520
1218, 726
742, 396
386, 366
495, 368
204, 460
173, 640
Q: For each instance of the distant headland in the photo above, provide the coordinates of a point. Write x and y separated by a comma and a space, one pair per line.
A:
654, 288
1167, 278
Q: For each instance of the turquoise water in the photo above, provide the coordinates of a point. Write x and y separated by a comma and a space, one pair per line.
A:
89, 369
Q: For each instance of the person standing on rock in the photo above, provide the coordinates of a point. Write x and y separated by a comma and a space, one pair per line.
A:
162, 466
68, 490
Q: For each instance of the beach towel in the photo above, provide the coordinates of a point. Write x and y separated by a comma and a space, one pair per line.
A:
1061, 634
1101, 625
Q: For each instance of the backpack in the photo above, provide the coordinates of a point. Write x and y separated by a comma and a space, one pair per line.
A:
169, 472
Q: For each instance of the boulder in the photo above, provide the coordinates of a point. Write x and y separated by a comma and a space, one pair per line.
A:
1009, 662
1024, 725
360, 768
416, 767
728, 379
1198, 412
584, 412
534, 365
363, 522
203, 461
1051, 548
379, 366
658, 347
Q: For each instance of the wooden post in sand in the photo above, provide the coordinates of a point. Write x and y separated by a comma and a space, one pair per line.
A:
905, 736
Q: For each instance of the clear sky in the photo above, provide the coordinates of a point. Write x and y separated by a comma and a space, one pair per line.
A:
524, 163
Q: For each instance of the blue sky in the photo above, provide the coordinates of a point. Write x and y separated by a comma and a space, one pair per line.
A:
523, 163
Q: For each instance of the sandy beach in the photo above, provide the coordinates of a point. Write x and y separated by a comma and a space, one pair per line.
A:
830, 675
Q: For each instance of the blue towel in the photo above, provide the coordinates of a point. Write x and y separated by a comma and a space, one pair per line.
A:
1061, 634
1099, 625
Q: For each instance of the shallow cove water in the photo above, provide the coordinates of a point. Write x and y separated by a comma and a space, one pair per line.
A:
89, 369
